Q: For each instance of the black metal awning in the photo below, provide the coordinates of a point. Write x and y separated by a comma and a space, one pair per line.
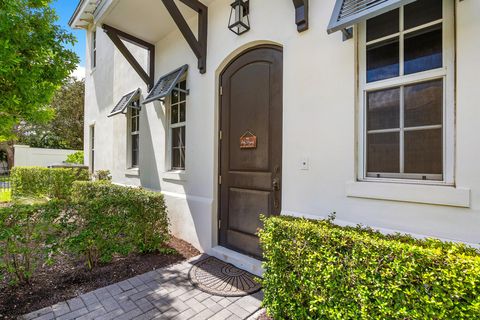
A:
165, 85
347, 13
125, 102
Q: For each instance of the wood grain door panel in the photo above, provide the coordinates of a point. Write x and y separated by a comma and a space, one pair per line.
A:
251, 103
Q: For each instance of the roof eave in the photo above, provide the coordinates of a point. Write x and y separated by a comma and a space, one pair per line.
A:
83, 15
75, 13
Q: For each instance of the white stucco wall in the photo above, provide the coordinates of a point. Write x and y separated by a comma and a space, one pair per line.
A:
39, 157
319, 124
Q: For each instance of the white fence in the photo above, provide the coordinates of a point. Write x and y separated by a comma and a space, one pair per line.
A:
26, 156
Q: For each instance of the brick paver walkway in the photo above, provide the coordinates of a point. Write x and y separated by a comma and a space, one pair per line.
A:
161, 294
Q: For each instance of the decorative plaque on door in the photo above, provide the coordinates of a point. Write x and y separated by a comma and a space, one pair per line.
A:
248, 140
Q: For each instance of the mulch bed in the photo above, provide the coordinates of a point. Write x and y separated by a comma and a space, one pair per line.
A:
264, 317
68, 278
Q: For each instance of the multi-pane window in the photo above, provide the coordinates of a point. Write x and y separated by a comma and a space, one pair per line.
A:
404, 89
177, 126
94, 49
134, 133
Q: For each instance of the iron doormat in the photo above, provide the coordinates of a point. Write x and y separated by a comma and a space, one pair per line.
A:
216, 277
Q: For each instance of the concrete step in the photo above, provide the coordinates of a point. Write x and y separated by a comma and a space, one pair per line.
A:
239, 260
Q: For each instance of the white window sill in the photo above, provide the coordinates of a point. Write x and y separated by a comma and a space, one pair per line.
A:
429, 194
132, 172
174, 176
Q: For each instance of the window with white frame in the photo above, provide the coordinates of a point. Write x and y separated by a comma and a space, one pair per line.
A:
177, 125
134, 133
94, 49
406, 79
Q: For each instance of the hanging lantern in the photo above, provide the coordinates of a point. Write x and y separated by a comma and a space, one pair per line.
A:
239, 22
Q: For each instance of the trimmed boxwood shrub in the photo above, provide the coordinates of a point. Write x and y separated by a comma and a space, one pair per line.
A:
34, 182
113, 219
317, 270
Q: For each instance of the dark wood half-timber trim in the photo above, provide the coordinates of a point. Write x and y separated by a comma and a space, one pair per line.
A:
117, 35
301, 14
199, 47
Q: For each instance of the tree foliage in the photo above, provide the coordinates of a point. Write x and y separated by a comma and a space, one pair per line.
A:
65, 130
34, 62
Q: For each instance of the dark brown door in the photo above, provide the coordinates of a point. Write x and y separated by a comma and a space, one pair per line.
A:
250, 146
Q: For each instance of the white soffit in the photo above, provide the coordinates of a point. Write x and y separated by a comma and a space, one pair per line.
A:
148, 20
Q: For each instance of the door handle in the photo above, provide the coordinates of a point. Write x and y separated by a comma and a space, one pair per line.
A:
276, 184
276, 189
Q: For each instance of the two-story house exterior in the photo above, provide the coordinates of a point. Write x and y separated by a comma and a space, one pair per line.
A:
366, 108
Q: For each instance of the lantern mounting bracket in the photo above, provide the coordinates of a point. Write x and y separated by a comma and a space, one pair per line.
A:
301, 14
199, 47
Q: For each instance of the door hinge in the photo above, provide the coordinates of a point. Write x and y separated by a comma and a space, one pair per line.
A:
220, 135
219, 179
221, 90
219, 223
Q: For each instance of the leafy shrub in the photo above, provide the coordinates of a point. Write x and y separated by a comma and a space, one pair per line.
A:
112, 219
316, 270
76, 158
29, 234
102, 175
45, 182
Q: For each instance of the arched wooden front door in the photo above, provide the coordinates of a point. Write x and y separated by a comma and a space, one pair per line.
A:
250, 146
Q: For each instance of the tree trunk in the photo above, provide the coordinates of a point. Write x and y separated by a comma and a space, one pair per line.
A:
10, 154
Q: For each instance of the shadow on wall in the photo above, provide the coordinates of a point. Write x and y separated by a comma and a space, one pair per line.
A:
190, 216
103, 79
150, 163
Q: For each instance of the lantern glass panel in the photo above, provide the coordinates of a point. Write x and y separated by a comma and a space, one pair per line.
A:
239, 21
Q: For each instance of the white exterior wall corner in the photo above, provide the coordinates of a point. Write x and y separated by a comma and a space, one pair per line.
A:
319, 124
99, 93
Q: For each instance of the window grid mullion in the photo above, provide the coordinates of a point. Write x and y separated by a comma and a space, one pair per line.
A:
177, 125
397, 34
402, 131
402, 99
382, 39
384, 130
401, 43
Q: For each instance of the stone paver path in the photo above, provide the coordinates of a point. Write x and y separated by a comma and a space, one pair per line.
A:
161, 294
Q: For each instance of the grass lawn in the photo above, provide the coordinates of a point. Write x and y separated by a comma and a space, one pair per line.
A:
5, 195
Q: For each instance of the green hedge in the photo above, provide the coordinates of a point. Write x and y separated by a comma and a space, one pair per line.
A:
44, 182
112, 219
76, 158
29, 234
98, 220
316, 270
